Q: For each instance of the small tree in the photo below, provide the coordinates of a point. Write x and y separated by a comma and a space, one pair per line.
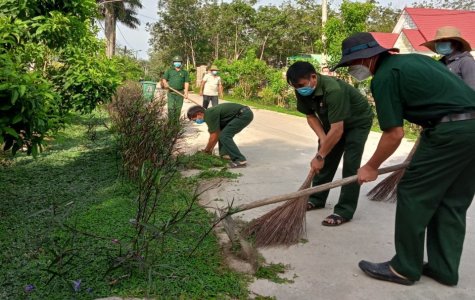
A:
50, 63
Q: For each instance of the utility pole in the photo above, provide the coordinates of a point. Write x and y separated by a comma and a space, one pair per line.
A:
324, 38
110, 25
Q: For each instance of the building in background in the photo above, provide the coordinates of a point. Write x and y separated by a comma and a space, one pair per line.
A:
419, 25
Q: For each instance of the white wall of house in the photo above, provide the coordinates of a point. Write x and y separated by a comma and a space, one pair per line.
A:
405, 22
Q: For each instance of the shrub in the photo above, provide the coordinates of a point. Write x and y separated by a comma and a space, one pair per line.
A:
143, 130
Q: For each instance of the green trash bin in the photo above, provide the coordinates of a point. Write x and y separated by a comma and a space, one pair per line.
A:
148, 89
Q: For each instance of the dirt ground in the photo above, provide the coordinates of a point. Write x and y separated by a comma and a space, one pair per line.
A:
278, 148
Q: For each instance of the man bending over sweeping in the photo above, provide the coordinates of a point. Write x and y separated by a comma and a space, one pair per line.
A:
224, 122
439, 184
341, 117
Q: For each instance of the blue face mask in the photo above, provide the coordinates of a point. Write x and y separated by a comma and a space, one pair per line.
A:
199, 121
443, 48
214, 72
177, 64
306, 90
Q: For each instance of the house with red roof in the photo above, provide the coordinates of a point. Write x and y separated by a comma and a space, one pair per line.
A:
419, 25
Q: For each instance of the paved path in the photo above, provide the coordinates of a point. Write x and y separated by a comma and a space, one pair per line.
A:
278, 148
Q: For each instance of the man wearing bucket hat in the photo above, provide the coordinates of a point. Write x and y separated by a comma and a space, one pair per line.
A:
455, 52
437, 187
211, 87
178, 79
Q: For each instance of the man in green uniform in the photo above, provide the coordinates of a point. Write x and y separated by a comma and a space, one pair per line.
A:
341, 117
438, 185
224, 122
178, 79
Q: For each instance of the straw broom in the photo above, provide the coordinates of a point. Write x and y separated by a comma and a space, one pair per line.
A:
386, 190
285, 225
281, 228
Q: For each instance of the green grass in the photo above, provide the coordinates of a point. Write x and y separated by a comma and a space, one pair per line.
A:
70, 203
272, 271
201, 161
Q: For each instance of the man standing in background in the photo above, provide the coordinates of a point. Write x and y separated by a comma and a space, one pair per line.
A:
178, 79
211, 87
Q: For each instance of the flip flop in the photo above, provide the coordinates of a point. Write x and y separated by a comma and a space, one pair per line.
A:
337, 220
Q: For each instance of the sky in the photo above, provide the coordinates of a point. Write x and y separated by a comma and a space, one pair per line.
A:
137, 39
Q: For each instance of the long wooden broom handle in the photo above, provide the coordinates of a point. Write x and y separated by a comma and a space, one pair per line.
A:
312, 190
177, 92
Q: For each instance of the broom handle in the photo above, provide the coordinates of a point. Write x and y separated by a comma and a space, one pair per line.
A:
315, 189
177, 92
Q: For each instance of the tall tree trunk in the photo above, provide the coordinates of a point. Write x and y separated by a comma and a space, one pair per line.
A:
193, 59
263, 46
236, 55
216, 50
110, 30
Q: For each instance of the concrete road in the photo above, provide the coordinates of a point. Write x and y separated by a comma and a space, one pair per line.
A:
279, 148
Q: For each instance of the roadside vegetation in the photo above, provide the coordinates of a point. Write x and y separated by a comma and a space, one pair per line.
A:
67, 223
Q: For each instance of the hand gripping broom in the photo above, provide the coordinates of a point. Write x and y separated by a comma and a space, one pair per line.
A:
385, 191
285, 225
177, 92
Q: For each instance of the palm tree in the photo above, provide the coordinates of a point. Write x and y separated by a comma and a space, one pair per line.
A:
124, 11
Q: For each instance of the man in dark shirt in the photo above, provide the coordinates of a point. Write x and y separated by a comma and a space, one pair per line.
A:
438, 186
178, 79
224, 122
341, 117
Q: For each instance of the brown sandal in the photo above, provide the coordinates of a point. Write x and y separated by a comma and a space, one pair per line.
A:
336, 220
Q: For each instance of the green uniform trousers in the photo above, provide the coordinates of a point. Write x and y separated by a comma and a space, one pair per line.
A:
227, 146
175, 104
433, 196
351, 147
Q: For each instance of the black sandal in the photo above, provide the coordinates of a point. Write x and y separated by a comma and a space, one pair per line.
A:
311, 206
336, 220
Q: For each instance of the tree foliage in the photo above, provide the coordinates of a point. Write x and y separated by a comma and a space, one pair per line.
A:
203, 31
51, 63
353, 18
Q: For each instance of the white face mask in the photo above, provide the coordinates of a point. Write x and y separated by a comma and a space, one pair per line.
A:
359, 72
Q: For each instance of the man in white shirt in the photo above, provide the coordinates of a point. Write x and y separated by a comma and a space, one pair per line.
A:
211, 87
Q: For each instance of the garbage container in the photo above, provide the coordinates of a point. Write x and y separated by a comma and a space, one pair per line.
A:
148, 89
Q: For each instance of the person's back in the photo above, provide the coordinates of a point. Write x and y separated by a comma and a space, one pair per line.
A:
430, 89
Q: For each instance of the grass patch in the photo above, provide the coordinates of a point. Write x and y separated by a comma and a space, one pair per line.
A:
65, 216
271, 272
201, 161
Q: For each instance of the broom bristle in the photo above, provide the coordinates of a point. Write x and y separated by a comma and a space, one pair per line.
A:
385, 191
282, 226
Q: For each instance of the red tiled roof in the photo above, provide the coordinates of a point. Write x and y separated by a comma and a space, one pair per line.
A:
387, 40
428, 20
415, 38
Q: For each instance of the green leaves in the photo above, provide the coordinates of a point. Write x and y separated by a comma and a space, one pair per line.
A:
51, 62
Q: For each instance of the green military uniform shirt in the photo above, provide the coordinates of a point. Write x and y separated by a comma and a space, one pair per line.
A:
426, 97
333, 101
176, 79
218, 116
